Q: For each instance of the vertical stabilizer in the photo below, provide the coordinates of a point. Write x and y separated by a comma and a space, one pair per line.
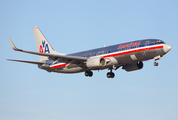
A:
42, 44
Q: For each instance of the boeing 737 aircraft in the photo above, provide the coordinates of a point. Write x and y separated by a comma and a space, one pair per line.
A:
128, 55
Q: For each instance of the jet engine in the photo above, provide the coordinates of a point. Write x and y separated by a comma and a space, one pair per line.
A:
95, 62
133, 66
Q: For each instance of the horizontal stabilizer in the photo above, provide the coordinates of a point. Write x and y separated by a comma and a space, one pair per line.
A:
31, 62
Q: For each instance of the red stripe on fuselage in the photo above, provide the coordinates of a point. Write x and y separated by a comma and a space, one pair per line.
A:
155, 47
117, 54
132, 51
61, 65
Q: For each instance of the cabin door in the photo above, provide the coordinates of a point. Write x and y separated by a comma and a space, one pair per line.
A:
146, 47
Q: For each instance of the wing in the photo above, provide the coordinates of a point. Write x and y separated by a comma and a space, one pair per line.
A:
55, 57
31, 62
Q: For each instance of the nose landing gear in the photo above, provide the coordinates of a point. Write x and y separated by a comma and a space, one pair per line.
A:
157, 58
155, 63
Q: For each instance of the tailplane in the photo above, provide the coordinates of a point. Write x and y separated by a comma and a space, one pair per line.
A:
42, 44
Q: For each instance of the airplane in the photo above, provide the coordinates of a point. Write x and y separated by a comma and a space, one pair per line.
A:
129, 56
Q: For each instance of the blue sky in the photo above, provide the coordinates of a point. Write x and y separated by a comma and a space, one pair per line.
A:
27, 92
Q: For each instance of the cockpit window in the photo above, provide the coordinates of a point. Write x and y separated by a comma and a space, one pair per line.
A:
159, 42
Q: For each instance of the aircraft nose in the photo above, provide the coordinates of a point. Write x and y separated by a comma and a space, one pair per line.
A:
166, 48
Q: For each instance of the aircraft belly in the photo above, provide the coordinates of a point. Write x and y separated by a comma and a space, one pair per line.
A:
138, 56
69, 70
129, 58
65, 69
124, 59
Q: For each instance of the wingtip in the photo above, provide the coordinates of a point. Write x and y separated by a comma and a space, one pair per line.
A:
9, 59
12, 44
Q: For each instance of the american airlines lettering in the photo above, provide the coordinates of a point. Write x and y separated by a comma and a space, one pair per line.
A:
129, 45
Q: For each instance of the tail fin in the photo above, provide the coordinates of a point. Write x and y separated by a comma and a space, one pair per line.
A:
42, 44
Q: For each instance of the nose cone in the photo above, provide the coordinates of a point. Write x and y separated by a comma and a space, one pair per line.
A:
166, 48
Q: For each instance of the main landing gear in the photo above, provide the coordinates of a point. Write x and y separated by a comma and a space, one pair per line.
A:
88, 73
110, 74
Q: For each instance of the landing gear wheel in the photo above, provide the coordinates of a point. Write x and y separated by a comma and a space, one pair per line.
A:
89, 73
110, 75
155, 63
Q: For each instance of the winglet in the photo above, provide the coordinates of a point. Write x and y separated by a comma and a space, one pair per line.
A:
12, 44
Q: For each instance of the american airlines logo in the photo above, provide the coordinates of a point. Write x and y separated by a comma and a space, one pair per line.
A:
44, 48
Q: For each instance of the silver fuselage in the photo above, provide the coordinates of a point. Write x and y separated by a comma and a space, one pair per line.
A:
118, 55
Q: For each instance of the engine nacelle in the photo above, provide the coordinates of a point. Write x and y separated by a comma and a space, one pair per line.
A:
96, 62
133, 66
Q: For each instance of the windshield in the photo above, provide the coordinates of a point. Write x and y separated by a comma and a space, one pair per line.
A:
159, 42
